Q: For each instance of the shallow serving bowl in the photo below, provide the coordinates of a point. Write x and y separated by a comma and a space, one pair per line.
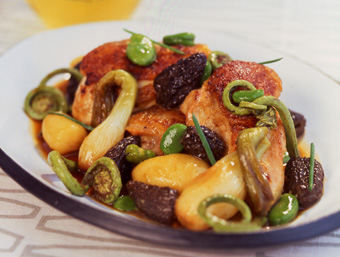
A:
305, 90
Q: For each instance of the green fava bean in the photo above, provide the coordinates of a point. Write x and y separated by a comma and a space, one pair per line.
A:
172, 139
124, 203
141, 50
284, 211
286, 158
184, 38
136, 154
218, 59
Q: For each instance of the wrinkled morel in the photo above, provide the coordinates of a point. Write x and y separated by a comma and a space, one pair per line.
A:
296, 181
299, 123
193, 145
175, 82
117, 153
156, 203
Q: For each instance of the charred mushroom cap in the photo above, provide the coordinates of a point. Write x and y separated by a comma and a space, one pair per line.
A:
117, 153
296, 181
156, 203
299, 123
175, 82
193, 145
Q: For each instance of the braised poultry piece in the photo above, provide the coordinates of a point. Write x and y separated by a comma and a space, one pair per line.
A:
112, 56
207, 104
151, 124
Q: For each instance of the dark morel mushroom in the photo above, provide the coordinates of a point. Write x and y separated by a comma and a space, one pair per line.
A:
296, 181
175, 82
117, 153
72, 86
156, 203
299, 123
192, 143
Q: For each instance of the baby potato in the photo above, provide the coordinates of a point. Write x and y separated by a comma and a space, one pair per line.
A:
225, 177
62, 134
173, 170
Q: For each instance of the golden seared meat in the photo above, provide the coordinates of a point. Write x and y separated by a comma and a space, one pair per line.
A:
207, 105
111, 56
151, 124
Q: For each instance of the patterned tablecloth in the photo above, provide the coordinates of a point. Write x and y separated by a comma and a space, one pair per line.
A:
308, 31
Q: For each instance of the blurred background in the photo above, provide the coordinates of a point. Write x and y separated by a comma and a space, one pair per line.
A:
305, 30
59, 13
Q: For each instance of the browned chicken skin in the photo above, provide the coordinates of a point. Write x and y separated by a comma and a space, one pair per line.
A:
151, 124
207, 105
111, 56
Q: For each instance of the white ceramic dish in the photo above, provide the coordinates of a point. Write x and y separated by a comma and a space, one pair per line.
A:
304, 90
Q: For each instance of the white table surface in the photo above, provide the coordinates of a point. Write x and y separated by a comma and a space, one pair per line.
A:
308, 31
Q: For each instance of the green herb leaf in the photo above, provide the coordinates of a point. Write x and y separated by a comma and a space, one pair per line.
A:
311, 167
204, 141
73, 119
271, 61
161, 44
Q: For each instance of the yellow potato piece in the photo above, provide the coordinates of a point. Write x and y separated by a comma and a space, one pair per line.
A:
62, 134
174, 170
225, 177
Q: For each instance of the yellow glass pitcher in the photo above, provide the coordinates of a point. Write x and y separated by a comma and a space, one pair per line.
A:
58, 13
